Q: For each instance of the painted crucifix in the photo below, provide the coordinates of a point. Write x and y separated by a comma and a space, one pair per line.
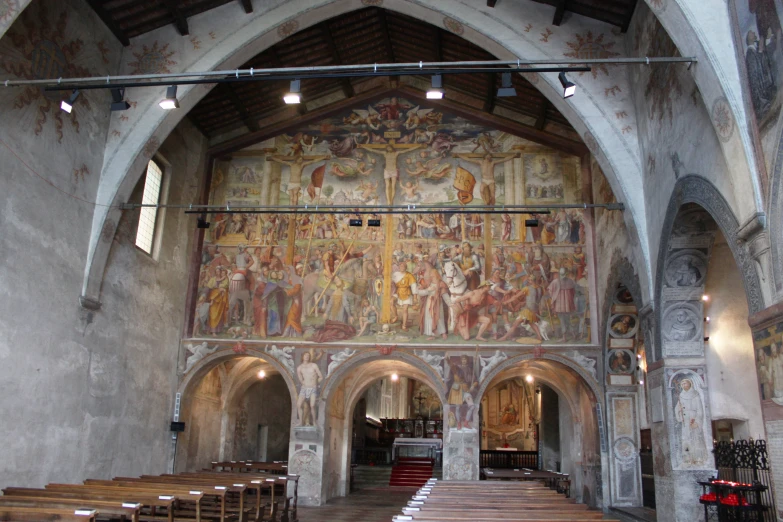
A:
390, 151
297, 164
487, 164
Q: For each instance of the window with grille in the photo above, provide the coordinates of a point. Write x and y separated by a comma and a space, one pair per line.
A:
145, 234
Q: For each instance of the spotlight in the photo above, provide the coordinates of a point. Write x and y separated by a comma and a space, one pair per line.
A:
261, 374
569, 89
705, 297
373, 222
170, 102
531, 223
641, 382
506, 88
436, 91
706, 339
355, 222
67, 105
293, 96
118, 102
529, 378
707, 319
201, 221
638, 356
538, 391
395, 377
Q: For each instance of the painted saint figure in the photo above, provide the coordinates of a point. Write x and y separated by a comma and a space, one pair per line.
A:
689, 412
487, 164
297, 165
310, 377
683, 328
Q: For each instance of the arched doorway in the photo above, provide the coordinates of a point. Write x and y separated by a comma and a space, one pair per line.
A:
564, 416
703, 355
361, 380
235, 407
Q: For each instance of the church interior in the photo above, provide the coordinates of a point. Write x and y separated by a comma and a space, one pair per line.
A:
430, 260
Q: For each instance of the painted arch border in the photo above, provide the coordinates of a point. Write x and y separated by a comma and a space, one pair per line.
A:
694, 188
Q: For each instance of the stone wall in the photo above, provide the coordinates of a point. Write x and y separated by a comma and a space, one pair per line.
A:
74, 378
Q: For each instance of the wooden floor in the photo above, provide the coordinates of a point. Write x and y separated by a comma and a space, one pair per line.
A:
366, 505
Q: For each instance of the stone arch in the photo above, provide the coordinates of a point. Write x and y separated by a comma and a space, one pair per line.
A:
582, 393
240, 379
622, 273
615, 151
776, 221
359, 372
696, 189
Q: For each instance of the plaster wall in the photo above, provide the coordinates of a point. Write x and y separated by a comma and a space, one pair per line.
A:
731, 368
677, 134
267, 403
199, 444
70, 378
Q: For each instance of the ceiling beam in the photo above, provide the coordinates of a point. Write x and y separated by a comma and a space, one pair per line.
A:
247, 5
106, 18
541, 119
180, 20
628, 17
344, 82
577, 148
489, 103
240, 142
232, 96
560, 9
491, 3
386, 35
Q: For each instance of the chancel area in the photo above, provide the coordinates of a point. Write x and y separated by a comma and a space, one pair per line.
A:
431, 260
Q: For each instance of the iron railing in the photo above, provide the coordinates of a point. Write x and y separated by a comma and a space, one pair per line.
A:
746, 461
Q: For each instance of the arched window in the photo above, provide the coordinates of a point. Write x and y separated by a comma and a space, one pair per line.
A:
145, 234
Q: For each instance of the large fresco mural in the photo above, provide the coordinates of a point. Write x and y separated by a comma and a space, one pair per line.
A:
444, 277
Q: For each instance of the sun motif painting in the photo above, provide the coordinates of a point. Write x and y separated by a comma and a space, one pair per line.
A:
439, 276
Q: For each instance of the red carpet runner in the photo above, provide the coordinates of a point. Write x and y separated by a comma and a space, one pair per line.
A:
410, 471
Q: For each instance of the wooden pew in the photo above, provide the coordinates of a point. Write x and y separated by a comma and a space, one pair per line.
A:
149, 502
186, 495
473, 501
291, 502
41, 514
239, 489
106, 509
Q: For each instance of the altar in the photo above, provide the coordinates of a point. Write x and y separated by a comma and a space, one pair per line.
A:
410, 447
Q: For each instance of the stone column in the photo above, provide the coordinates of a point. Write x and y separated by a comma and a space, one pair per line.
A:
461, 450
623, 434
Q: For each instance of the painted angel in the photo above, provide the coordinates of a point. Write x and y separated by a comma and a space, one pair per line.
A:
350, 168
431, 169
370, 117
416, 117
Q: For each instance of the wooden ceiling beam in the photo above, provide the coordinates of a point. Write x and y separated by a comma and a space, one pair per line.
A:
554, 141
628, 17
180, 20
110, 23
541, 119
344, 82
276, 129
239, 106
560, 9
385, 34
489, 103
247, 5
491, 3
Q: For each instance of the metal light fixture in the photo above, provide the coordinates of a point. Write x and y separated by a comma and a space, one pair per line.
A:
569, 89
506, 87
436, 91
294, 95
118, 102
67, 105
170, 101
